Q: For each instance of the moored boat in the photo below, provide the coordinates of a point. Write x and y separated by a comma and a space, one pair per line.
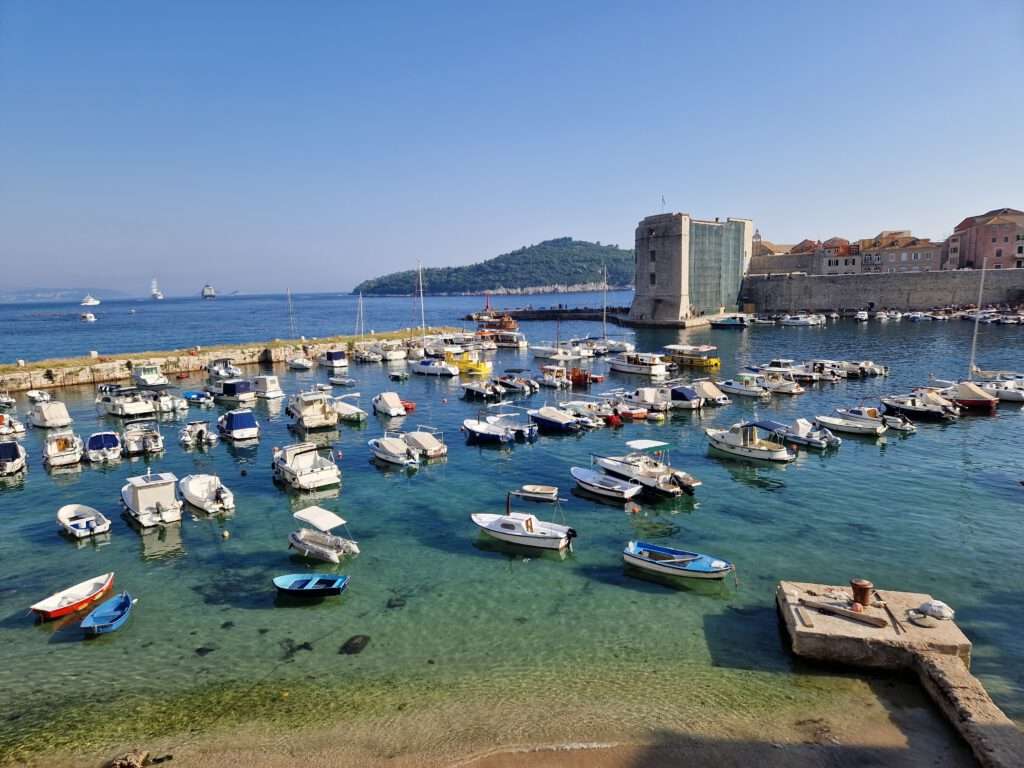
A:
304, 467
239, 425
208, 493
522, 529
605, 485
668, 561
62, 448
744, 440
849, 426
13, 458
310, 585
103, 447
197, 434
80, 522
648, 463
74, 598
109, 616
926, 406
316, 540
151, 500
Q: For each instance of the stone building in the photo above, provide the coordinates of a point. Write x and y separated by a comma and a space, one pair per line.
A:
997, 237
900, 251
687, 267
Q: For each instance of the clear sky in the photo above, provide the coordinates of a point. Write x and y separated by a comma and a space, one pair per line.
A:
263, 145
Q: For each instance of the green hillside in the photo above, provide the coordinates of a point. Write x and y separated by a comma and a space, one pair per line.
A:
561, 262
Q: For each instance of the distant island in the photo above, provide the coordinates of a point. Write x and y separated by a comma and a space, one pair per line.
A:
55, 295
553, 266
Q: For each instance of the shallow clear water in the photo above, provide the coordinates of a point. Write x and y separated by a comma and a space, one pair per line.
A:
938, 511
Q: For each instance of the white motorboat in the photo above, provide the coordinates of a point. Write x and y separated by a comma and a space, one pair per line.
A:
709, 393
38, 396
154, 291
165, 402
223, 368
208, 493
312, 410
684, 397
390, 350
141, 438
392, 449
81, 522
13, 458
870, 415
862, 317
925, 405
432, 366
1006, 391
233, 392
787, 367
551, 419
103, 447
363, 353
208, 293
342, 381
348, 412
482, 431
510, 340
556, 354
639, 363
482, 390
803, 432
123, 402
388, 404
334, 359
732, 322
870, 368
239, 425
598, 410
10, 425
555, 377
522, 529
90, 301
317, 542
830, 370
87, 317
605, 485
521, 428
303, 467
782, 384
648, 463
802, 319
514, 382
300, 363
62, 448
619, 345
744, 440
267, 388
746, 385
7, 400
426, 443
50, 415
148, 376
850, 426
151, 499
651, 398
197, 434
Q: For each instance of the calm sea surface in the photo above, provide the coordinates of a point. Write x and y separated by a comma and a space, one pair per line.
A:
450, 616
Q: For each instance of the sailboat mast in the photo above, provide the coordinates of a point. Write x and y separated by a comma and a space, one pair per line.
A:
423, 314
977, 319
604, 307
359, 317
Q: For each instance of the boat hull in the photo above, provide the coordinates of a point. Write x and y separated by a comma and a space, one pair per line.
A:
750, 452
48, 614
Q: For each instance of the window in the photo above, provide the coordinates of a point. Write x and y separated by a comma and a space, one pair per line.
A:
508, 526
853, 262
1020, 263
1006, 239
1020, 249
954, 251
999, 253
993, 239
917, 257
654, 279
654, 255
998, 266
903, 256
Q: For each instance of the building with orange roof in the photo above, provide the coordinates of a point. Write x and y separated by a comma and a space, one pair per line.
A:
994, 238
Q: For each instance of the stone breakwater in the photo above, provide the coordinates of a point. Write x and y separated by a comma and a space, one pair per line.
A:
107, 369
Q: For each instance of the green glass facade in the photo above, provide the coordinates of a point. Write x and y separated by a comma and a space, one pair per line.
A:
717, 255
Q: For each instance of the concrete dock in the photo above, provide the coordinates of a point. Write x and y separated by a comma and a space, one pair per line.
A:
940, 655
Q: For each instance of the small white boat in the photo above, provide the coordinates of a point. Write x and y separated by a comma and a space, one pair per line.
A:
870, 415
862, 317
13, 458
141, 438
312, 410
388, 404
555, 377
334, 359
165, 402
432, 366
197, 434
849, 426
62, 448
103, 447
744, 440
342, 381
50, 415
38, 396
803, 432
239, 425
782, 384
791, 369
709, 393
223, 368
303, 467
746, 385
90, 301
639, 363
390, 350
605, 485
151, 499
148, 375
10, 425
1006, 391
348, 412
123, 402
80, 522
300, 364
267, 388
87, 317
426, 443
317, 542
524, 530
392, 449
7, 400
208, 493
482, 390
648, 463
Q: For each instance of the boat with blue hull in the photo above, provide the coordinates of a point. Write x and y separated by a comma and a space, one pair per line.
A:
668, 561
310, 585
109, 616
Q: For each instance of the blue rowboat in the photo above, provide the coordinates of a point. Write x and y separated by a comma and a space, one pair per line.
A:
109, 616
310, 584
668, 561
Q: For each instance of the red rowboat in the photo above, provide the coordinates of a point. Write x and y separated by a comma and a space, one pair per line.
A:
409, 406
74, 598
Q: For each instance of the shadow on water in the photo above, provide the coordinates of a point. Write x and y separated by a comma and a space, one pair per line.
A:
625, 577
484, 543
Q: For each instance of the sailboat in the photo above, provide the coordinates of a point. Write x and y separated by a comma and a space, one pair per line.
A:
429, 366
362, 352
154, 291
300, 363
612, 345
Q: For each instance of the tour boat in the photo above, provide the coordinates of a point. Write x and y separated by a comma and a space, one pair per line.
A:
922, 406
10, 425
62, 448
123, 402
50, 415
239, 425
555, 377
310, 585
850, 426
80, 522
480, 431
267, 388
388, 404
639, 363
223, 368
197, 434
551, 419
744, 440
151, 499
605, 485
38, 396
731, 322
426, 443
103, 447
649, 464
141, 438
148, 376
469, 363
431, 366
694, 356
803, 432
312, 410
482, 390
208, 493
233, 392
347, 412
874, 416
303, 467
519, 424
392, 449
109, 616
522, 529
316, 541
154, 291
334, 359
208, 292
74, 598
90, 301
668, 561
13, 458
746, 385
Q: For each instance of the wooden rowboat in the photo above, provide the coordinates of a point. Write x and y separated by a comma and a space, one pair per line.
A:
73, 598
109, 616
310, 584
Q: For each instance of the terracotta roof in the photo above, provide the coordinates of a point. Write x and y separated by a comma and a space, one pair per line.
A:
835, 242
805, 245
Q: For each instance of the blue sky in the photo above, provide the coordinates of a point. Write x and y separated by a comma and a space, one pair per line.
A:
263, 145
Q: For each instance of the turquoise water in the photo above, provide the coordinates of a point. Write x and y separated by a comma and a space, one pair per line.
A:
939, 511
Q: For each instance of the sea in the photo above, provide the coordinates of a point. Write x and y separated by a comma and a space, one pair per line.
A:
462, 630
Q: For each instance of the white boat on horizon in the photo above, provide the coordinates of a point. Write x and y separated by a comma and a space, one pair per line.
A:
90, 301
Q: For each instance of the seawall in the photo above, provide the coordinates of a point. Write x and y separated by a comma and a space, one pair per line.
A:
901, 291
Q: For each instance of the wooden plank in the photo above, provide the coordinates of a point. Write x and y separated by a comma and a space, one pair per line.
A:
835, 610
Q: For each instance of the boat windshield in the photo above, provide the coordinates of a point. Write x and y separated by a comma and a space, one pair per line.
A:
8, 451
102, 440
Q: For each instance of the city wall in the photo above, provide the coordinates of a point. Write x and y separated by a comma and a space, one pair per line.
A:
901, 291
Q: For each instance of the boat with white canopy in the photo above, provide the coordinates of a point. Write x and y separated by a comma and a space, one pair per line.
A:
648, 462
312, 410
392, 449
316, 541
197, 434
303, 467
50, 415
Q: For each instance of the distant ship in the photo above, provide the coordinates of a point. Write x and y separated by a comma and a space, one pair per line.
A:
90, 301
154, 291
209, 292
